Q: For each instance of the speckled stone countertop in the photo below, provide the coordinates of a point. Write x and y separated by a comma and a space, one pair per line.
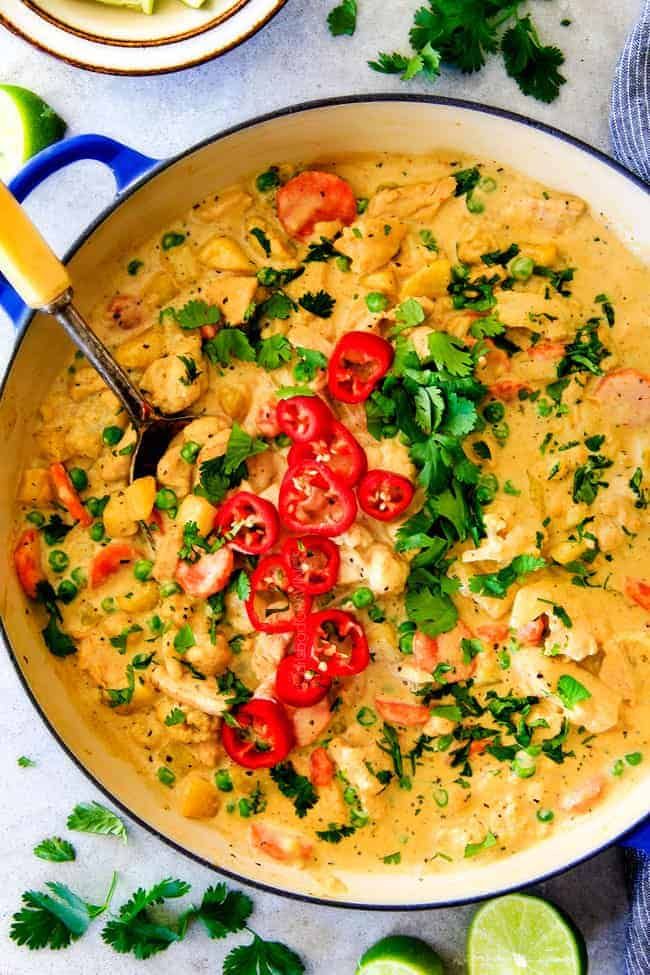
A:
292, 60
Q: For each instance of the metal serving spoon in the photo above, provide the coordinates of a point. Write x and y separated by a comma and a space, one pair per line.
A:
42, 281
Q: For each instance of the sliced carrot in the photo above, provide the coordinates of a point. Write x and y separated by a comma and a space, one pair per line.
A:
27, 560
67, 495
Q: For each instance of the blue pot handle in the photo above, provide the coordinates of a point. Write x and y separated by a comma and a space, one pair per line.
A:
639, 838
127, 165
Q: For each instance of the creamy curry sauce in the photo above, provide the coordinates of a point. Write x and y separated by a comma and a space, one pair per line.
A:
493, 731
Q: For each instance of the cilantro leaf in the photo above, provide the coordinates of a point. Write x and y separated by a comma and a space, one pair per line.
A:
466, 180
197, 313
571, 691
56, 919
310, 361
296, 787
133, 930
533, 66
279, 305
224, 911
261, 239
496, 584
460, 416
92, 817
263, 958
425, 62
321, 303
464, 31
432, 612
56, 641
335, 833
273, 352
486, 327
191, 370
448, 353
408, 315
241, 446
343, 19
55, 849
228, 344
175, 716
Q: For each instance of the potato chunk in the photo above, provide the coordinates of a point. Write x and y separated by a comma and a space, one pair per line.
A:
198, 798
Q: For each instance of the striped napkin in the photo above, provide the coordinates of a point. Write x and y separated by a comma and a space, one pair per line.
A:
630, 129
630, 115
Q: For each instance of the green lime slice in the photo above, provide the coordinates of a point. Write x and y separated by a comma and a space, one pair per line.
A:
400, 955
522, 935
27, 125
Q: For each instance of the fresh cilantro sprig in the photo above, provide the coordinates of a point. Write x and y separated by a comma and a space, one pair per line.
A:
136, 931
496, 584
464, 33
343, 19
55, 850
92, 817
296, 787
55, 919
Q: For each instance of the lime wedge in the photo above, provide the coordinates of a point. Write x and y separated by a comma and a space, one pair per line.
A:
522, 935
27, 125
400, 955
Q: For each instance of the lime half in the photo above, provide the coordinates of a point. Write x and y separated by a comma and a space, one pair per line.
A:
400, 955
522, 935
27, 125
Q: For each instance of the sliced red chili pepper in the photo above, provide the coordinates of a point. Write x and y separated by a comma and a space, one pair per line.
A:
338, 449
27, 560
300, 683
314, 563
358, 362
273, 605
313, 197
249, 523
109, 560
337, 639
304, 417
312, 499
384, 495
67, 495
260, 736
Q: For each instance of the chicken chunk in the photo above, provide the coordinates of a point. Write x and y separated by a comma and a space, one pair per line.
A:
417, 201
378, 243
170, 387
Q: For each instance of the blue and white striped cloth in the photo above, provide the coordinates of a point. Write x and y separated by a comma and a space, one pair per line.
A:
630, 129
630, 115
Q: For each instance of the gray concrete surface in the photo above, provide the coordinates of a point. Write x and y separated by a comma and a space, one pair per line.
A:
291, 60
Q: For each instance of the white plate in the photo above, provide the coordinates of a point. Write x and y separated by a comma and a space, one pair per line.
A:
119, 40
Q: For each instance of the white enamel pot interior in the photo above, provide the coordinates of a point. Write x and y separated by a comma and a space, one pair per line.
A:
305, 134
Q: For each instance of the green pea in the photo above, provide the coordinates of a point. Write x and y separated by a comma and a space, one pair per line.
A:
169, 589
108, 604
166, 776
58, 560
441, 797
36, 518
245, 808
362, 597
142, 569
501, 431
343, 263
486, 488
545, 815
189, 451
521, 268
96, 505
523, 765
634, 758
223, 781
376, 302
376, 613
134, 266
96, 531
79, 478
366, 717
618, 767
494, 411
268, 180
166, 499
172, 239
79, 577
112, 435
474, 205
362, 204
67, 591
